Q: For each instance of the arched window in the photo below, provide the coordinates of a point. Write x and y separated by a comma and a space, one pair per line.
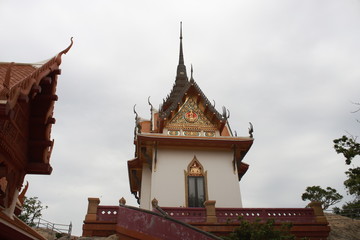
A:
196, 190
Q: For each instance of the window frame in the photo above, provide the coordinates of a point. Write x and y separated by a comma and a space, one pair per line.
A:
200, 173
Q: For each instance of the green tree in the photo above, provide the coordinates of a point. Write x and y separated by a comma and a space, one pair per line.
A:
327, 197
32, 208
350, 149
259, 230
353, 182
349, 209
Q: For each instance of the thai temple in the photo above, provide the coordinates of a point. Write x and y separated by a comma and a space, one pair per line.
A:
186, 152
185, 175
185, 172
27, 99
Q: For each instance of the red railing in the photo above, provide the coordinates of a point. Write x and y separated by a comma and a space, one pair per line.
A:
193, 215
197, 215
107, 213
156, 226
186, 214
295, 215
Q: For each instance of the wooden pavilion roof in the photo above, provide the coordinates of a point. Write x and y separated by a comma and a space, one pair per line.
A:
27, 95
17, 79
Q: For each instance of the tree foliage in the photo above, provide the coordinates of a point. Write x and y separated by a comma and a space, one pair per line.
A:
347, 146
327, 197
350, 148
353, 182
32, 208
349, 209
259, 230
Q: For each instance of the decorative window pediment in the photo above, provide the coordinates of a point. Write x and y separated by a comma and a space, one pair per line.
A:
196, 184
195, 168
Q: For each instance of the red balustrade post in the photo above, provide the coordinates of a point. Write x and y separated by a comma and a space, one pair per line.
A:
210, 211
92, 209
318, 212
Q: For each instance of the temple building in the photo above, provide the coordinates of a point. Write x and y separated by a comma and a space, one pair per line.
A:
185, 176
186, 153
27, 98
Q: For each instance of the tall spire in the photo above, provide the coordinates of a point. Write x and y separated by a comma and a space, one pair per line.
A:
181, 80
181, 69
181, 55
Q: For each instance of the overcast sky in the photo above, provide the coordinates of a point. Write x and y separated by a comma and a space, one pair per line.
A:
289, 67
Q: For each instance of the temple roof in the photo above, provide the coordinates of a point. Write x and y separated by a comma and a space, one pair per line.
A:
17, 79
27, 96
186, 119
182, 87
174, 99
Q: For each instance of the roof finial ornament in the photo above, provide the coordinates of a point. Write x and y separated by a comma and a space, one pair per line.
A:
251, 130
136, 114
137, 128
151, 113
151, 106
191, 78
226, 113
58, 57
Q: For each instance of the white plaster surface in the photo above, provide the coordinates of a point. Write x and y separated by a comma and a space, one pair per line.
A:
145, 201
168, 181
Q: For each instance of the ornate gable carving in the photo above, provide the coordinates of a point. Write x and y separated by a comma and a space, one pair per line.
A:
190, 117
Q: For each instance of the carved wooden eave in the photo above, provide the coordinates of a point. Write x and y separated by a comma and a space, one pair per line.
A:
135, 174
27, 97
21, 80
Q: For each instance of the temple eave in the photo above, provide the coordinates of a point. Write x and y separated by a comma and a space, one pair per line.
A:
221, 142
39, 168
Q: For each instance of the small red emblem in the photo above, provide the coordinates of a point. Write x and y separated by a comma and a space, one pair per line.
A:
191, 116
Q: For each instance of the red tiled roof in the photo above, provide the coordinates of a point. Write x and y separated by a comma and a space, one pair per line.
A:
19, 78
18, 72
34, 85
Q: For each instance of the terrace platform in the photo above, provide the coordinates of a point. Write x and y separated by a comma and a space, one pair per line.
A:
196, 223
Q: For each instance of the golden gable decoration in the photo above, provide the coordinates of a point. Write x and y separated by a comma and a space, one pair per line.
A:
190, 117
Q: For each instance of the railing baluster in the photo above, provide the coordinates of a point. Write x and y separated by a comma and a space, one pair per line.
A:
224, 214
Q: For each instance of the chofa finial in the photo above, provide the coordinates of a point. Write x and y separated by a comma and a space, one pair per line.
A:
192, 71
251, 130
58, 57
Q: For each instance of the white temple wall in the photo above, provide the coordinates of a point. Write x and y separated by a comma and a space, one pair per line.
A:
168, 180
145, 198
